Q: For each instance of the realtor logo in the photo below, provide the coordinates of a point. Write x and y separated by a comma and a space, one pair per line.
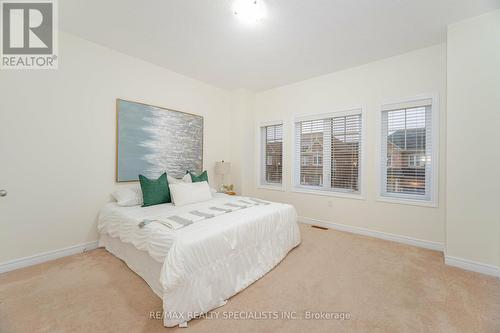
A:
29, 34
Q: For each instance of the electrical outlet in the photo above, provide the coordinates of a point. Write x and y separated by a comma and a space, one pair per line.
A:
330, 203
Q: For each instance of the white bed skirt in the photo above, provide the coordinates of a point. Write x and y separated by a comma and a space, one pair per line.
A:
138, 261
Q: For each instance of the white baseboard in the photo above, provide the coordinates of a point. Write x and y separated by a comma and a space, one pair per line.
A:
377, 234
466, 264
473, 266
46, 256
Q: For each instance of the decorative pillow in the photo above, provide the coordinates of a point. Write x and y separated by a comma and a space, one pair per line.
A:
172, 180
202, 177
185, 179
155, 191
188, 193
128, 196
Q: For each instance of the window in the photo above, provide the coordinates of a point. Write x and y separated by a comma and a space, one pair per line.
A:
412, 162
416, 160
272, 154
317, 160
389, 161
328, 152
407, 146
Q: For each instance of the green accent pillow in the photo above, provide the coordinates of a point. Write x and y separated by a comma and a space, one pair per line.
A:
155, 191
202, 177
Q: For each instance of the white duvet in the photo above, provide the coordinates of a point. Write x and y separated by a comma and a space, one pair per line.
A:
207, 262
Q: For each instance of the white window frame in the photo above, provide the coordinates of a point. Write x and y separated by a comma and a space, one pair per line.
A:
407, 199
261, 184
297, 188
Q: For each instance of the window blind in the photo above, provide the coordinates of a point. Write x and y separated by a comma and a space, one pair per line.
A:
407, 151
272, 161
328, 153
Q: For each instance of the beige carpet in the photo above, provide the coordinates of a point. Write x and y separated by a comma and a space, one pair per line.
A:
384, 286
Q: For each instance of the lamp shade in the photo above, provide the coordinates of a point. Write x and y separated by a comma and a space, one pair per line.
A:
222, 168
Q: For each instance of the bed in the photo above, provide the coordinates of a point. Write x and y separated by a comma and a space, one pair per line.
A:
197, 268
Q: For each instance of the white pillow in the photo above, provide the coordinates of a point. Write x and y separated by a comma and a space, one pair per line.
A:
187, 193
172, 180
185, 179
128, 196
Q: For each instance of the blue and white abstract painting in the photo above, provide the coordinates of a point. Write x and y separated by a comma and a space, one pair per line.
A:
154, 140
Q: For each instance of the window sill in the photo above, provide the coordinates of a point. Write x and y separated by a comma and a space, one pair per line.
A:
280, 188
411, 202
329, 193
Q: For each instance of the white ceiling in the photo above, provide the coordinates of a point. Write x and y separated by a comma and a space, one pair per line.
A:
297, 40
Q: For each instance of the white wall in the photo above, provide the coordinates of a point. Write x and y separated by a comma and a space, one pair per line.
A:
240, 137
369, 86
57, 140
473, 195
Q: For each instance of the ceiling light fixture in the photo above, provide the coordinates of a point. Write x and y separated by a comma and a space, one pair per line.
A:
249, 10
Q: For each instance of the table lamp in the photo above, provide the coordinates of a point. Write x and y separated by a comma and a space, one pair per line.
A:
222, 168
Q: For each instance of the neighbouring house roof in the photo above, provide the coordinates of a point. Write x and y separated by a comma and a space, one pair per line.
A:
409, 139
313, 143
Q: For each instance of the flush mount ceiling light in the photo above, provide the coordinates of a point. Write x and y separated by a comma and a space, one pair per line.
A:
249, 10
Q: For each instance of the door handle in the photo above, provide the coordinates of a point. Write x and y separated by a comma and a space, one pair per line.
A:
3, 193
